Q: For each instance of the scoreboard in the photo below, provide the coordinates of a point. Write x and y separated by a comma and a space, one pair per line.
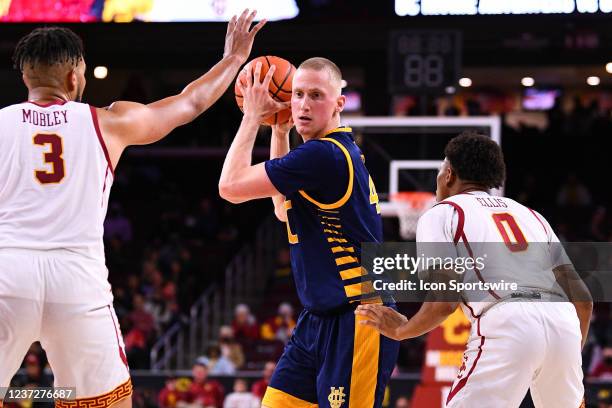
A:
424, 60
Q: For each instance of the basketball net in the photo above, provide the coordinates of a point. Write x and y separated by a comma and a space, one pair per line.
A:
410, 206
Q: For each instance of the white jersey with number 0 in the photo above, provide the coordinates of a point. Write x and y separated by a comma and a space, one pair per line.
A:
511, 243
516, 343
56, 178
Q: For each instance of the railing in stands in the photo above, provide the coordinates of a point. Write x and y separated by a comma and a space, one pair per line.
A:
245, 279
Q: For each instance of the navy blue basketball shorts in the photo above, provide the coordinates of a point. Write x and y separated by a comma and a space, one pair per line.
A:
332, 361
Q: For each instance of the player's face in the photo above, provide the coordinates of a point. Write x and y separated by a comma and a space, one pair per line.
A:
315, 102
442, 181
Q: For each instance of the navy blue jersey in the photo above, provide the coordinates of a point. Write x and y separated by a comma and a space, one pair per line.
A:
332, 207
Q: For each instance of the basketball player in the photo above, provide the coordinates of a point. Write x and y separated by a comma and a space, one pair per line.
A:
517, 342
57, 160
330, 204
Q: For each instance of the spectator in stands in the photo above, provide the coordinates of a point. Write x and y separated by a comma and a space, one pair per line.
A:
280, 326
204, 393
219, 364
599, 227
241, 398
402, 402
205, 222
244, 324
604, 398
603, 370
136, 349
574, 193
170, 395
140, 318
259, 388
33, 373
230, 348
283, 264
117, 225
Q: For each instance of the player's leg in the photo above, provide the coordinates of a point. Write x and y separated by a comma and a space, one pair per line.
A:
357, 363
558, 383
293, 383
20, 310
81, 335
19, 328
503, 352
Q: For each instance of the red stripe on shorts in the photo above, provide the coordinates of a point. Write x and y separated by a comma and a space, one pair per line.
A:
121, 352
464, 380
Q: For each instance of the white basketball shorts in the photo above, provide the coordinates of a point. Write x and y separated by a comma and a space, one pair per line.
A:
520, 346
63, 300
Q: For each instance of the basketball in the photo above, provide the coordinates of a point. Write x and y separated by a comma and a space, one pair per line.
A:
280, 85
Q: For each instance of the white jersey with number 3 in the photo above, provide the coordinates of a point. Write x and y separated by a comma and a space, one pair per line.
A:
56, 178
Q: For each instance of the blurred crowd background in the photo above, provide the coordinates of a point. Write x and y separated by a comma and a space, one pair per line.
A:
169, 236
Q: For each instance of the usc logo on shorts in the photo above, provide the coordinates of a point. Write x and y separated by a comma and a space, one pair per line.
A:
101, 401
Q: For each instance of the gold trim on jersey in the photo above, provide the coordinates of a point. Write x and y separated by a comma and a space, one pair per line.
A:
344, 129
293, 238
349, 189
327, 224
360, 288
345, 260
353, 273
337, 249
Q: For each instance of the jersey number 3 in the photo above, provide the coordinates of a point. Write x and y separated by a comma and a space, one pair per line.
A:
510, 232
52, 157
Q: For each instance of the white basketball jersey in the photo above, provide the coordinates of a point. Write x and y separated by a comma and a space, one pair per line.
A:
56, 178
515, 244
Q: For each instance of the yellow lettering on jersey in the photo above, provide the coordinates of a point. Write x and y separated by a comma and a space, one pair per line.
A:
456, 328
293, 238
374, 196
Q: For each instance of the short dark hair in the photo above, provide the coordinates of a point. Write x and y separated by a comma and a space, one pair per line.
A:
477, 158
48, 46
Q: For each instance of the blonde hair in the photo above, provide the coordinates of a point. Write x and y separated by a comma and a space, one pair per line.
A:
319, 64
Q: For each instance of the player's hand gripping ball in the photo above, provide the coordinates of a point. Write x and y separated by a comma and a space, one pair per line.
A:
280, 85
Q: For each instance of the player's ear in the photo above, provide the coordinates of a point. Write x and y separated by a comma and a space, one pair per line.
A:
26, 80
72, 81
340, 101
450, 177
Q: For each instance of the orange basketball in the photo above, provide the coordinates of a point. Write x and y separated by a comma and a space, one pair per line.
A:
280, 85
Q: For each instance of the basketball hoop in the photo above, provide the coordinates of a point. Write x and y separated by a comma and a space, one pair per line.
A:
410, 206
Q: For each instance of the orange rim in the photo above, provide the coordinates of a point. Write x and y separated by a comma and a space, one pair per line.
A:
416, 199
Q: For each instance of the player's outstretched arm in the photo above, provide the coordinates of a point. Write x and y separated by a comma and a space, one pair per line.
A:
279, 147
438, 305
129, 123
241, 181
396, 326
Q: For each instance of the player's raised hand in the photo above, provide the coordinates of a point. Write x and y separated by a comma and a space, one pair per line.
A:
239, 37
257, 101
384, 319
282, 129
